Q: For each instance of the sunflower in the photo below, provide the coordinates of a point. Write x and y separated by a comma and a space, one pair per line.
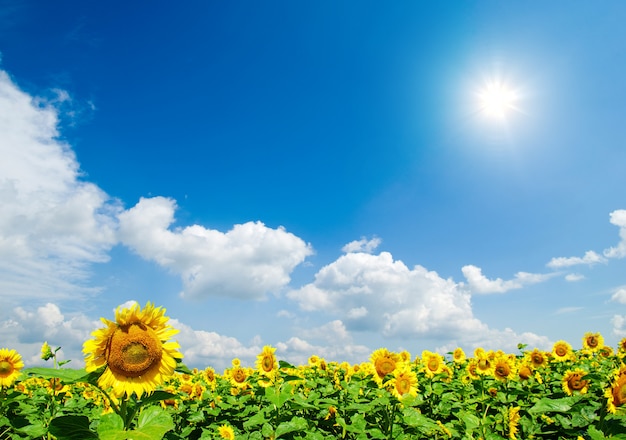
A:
484, 364
458, 356
524, 372
562, 351
514, 418
573, 382
226, 432
503, 369
433, 363
384, 362
593, 341
266, 362
616, 393
238, 376
10, 366
621, 347
471, 368
404, 382
537, 358
135, 350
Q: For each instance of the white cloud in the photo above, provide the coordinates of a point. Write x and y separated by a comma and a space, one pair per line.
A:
27, 329
619, 325
52, 224
246, 262
209, 349
362, 245
479, 283
399, 301
618, 218
374, 293
589, 258
573, 277
619, 296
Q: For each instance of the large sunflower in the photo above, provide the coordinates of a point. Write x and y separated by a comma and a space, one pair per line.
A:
537, 358
10, 366
384, 362
433, 363
616, 394
404, 382
135, 349
562, 351
573, 382
593, 341
503, 368
226, 432
266, 362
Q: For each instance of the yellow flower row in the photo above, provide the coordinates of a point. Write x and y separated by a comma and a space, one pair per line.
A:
137, 356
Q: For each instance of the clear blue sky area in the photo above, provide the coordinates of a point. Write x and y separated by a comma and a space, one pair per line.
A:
323, 177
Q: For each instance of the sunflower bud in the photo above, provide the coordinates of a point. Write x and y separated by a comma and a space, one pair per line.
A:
46, 352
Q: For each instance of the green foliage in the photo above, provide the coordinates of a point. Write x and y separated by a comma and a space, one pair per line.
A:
325, 401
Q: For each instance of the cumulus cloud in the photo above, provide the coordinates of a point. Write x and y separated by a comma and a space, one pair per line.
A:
246, 262
479, 283
619, 296
573, 277
362, 245
374, 292
202, 348
52, 224
589, 258
618, 218
27, 329
619, 325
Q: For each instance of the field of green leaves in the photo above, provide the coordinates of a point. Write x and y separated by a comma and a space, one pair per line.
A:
532, 394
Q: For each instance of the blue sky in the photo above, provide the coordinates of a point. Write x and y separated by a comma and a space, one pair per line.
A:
315, 176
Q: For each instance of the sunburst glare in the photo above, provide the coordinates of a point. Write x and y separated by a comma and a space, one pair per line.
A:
497, 99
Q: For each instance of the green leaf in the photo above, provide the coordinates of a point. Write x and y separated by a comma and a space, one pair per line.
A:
595, 434
111, 427
67, 375
279, 395
283, 364
71, 428
293, 425
415, 419
552, 405
257, 419
153, 423
182, 368
471, 420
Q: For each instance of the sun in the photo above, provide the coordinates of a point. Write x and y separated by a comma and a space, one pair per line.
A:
497, 99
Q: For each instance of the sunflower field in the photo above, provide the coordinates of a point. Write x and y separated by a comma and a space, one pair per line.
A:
135, 386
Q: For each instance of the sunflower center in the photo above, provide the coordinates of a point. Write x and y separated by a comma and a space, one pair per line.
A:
524, 372
537, 359
560, 351
576, 382
134, 350
6, 368
483, 364
403, 385
385, 366
239, 375
268, 364
433, 364
502, 370
592, 341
